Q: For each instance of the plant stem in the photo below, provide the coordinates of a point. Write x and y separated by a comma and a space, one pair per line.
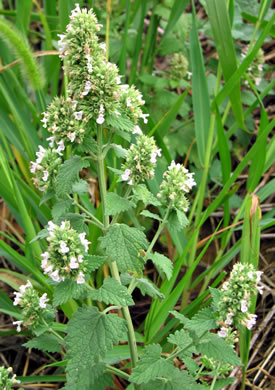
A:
156, 236
94, 219
51, 330
215, 378
113, 264
116, 371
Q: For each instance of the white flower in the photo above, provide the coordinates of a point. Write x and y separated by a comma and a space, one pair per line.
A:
103, 46
171, 196
17, 298
154, 156
45, 176
61, 147
45, 119
137, 130
61, 45
45, 256
84, 241
63, 247
55, 276
244, 306
130, 182
259, 273
75, 11
88, 86
250, 274
18, 323
51, 139
251, 321
73, 263
225, 286
40, 154
118, 79
126, 174
78, 115
24, 287
43, 300
63, 225
260, 289
80, 278
34, 166
128, 102
228, 320
51, 227
71, 136
222, 332
100, 119
80, 258
144, 117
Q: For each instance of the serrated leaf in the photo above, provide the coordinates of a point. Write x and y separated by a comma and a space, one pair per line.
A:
88, 145
150, 365
215, 347
123, 244
91, 334
147, 287
62, 207
202, 321
112, 292
119, 123
69, 289
46, 196
179, 316
119, 151
42, 234
95, 262
216, 296
180, 338
192, 366
77, 221
171, 378
142, 193
45, 342
148, 214
68, 174
223, 382
183, 220
162, 263
115, 204
80, 187
87, 377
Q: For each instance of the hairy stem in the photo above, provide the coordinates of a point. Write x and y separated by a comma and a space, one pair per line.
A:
113, 264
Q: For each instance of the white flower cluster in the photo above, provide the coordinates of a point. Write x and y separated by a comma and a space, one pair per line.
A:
65, 257
141, 159
46, 167
177, 181
255, 69
7, 382
31, 303
244, 282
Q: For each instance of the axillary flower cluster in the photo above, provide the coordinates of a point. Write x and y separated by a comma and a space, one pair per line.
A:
236, 296
33, 307
6, 381
65, 257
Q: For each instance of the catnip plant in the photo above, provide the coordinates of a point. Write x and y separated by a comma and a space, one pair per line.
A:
98, 116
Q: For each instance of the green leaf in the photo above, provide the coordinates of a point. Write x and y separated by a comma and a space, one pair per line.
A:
119, 123
180, 338
148, 214
112, 292
217, 348
162, 263
142, 193
119, 151
150, 365
45, 342
177, 221
220, 24
115, 204
91, 334
223, 382
216, 296
62, 207
88, 145
200, 94
147, 287
183, 220
192, 366
88, 376
77, 221
69, 289
95, 262
202, 321
68, 174
123, 244
80, 187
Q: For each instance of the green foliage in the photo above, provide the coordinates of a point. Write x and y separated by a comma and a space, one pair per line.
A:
112, 292
115, 204
89, 376
142, 193
215, 347
45, 342
69, 174
124, 244
69, 289
90, 335
162, 263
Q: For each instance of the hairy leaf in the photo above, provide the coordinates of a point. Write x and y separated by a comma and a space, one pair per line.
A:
115, 204
149, 288
162, 263
202, 321
62, 207
95, 262
91, 334
45, 342
87, 376
112, 292
180, 338
119, 123
217, 348
150, 365
216, 296
148, 214
80, 187
123, 244
69, 289
142, 193
68, 174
